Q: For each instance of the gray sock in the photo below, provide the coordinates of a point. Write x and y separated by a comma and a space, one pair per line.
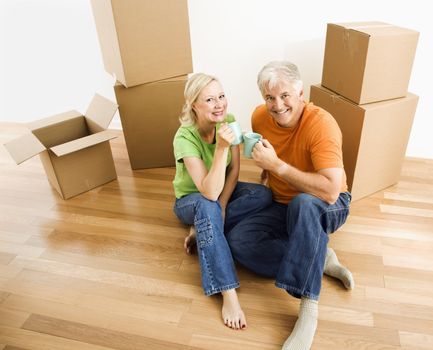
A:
333, 268
303, 333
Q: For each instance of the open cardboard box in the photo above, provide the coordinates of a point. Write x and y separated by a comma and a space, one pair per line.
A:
375, 136
74, 148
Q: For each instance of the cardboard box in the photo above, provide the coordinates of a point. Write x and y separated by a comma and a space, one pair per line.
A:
74, 148
143, 41
368, 61
375, 137
150, 117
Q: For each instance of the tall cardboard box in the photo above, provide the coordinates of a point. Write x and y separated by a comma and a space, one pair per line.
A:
143, 40
375, 137
149, 114
74, 148
368, 61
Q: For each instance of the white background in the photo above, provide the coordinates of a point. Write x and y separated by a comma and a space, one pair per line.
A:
50, 59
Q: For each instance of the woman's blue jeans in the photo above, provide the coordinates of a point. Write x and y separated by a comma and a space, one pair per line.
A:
288, 242
216, 263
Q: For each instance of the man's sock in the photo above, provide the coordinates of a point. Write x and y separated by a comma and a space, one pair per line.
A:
303, 333
333, 268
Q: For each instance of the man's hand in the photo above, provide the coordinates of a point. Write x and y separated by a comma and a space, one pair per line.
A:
265, 157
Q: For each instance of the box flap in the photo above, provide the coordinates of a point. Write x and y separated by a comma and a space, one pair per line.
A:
375, 28
38, 124
84, 142
100, 112
24, 147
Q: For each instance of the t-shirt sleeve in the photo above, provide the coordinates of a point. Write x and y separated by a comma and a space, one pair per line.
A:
256, 117
184, 146
326, 145
230, 118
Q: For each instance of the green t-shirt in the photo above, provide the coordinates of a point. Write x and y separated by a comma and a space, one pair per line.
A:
188, 143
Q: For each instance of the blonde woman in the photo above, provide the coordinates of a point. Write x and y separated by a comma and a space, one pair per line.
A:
208, 194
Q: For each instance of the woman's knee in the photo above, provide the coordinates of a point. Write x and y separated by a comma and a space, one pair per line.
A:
205, 205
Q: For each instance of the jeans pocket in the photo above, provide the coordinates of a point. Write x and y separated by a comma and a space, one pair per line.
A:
204, 232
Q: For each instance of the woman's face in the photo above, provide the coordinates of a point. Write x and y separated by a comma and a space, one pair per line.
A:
211, 103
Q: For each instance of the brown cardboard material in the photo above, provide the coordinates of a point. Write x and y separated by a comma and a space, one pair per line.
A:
143, 41
150, 117
368, 61
375, 137
74, 148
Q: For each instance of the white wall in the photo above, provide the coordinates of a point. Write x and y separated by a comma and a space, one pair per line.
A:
50, 59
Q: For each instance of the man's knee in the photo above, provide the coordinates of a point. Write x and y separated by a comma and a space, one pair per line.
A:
305, 200
263, 192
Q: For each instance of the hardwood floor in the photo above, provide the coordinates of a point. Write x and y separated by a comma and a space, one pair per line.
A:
106, 269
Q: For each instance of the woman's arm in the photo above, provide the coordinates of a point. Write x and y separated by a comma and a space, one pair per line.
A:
325, 183
211, 183
231, 178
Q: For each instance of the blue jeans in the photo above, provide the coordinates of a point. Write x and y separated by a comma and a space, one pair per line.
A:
216, 263
288, 242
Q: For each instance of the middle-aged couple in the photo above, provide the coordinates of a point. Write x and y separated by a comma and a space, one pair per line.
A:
279, 228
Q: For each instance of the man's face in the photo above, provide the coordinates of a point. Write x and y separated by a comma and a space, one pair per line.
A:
284, 103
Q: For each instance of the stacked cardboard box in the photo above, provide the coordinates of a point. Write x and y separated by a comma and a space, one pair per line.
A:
146, 45
366, 74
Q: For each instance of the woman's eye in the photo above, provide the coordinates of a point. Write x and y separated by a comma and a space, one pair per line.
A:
222, 97
210, 99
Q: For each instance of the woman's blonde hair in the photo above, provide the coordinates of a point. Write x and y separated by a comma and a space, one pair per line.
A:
196, 83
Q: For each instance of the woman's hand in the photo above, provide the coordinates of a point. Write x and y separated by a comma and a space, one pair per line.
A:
225, 136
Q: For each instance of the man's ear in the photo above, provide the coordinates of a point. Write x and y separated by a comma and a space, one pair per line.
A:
301, 93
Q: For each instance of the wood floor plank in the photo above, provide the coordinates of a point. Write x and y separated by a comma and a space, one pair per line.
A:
21, 338
416, 340
402, 323
6, 258
96, 336
149, 285
12, 318
8, 347
102, 318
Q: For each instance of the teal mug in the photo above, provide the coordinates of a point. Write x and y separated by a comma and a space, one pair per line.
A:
250, 140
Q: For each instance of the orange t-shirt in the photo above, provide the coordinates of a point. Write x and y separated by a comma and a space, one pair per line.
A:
314, 143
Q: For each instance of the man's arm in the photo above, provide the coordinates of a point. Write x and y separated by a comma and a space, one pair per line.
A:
325, 183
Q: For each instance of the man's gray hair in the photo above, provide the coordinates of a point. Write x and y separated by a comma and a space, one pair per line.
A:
279, 71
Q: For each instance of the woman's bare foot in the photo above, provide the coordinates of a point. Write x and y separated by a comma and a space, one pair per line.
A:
189, 242
233, 316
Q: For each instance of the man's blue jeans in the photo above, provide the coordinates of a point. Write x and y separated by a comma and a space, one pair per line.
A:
216, 263
288, 242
